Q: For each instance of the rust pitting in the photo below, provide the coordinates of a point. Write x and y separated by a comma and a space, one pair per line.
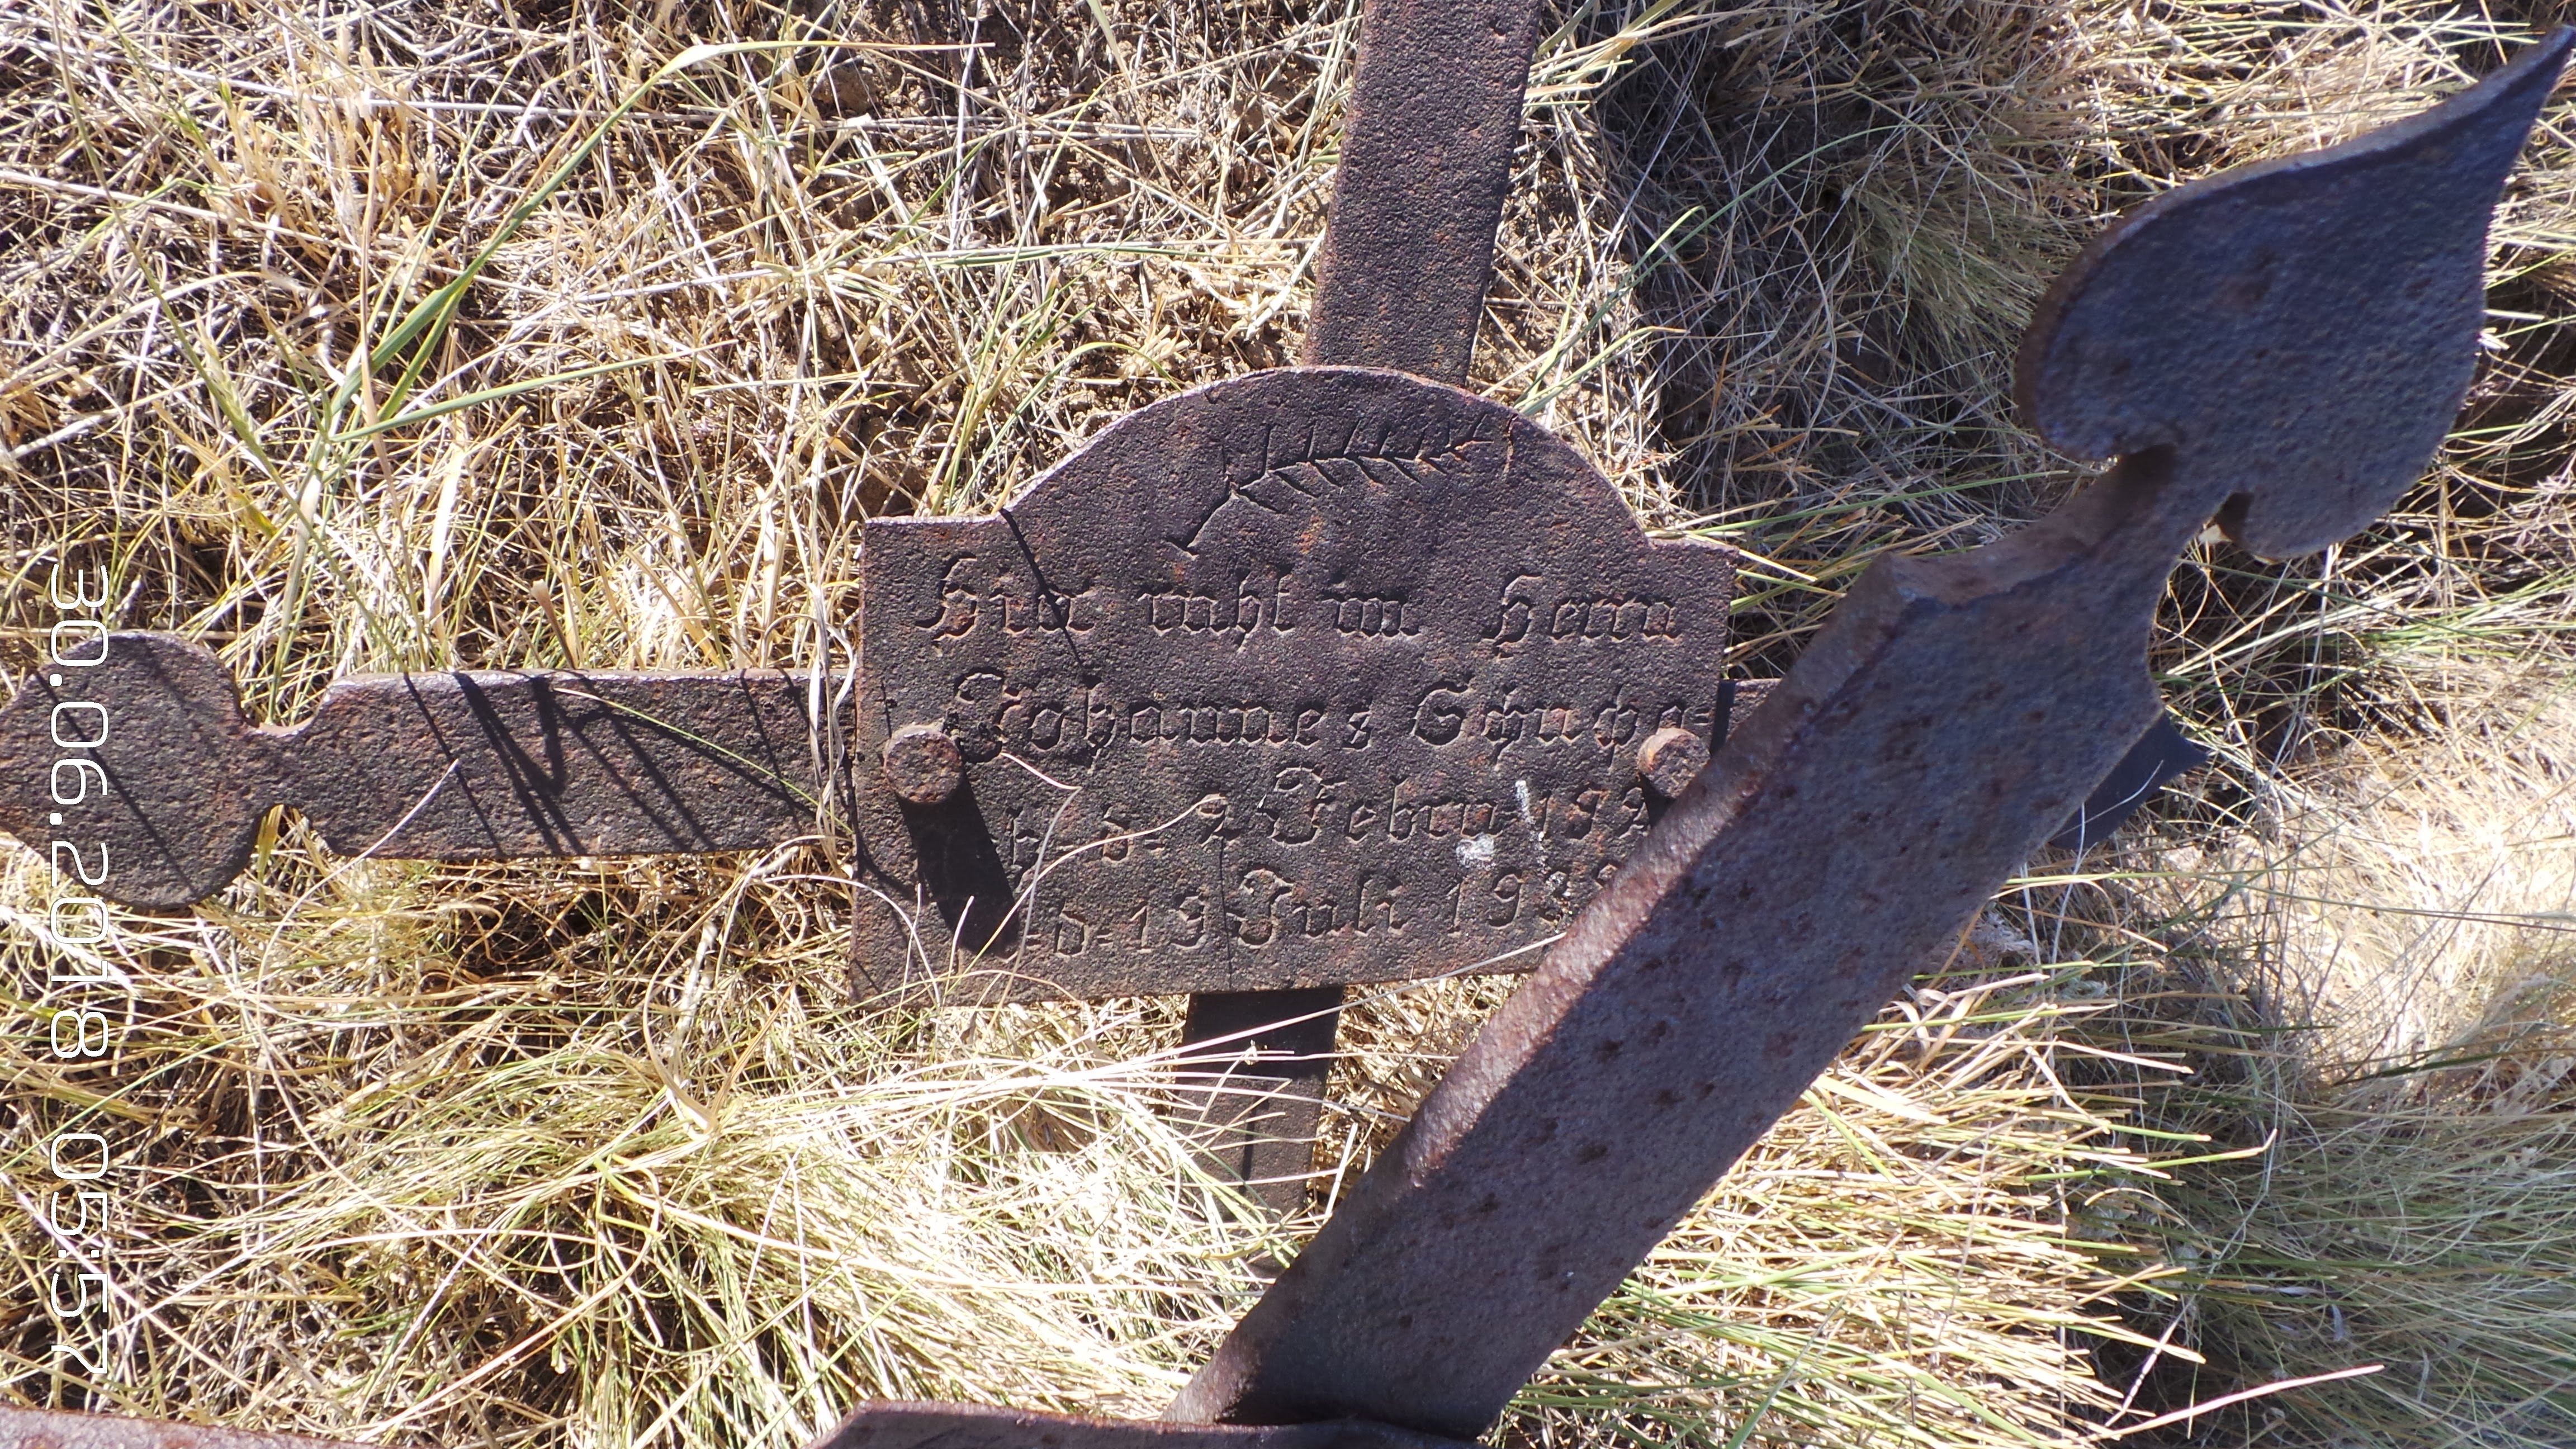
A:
923, 764
1426, 162
1956, 704
463, 765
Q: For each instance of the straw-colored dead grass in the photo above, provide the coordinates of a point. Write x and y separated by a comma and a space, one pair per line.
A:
382, 338
2397, 1087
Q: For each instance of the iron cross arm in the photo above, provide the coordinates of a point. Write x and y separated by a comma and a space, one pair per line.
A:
133, 751
1313, 677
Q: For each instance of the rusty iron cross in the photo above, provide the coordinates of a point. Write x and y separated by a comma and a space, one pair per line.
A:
1317, 677
1368, 646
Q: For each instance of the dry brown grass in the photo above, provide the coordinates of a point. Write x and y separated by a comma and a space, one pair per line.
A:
2397, 1078
594, 1153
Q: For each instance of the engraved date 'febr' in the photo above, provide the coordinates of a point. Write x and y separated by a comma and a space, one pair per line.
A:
1319, 676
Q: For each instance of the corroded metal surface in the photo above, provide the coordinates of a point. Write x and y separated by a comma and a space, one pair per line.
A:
893, 1425
923, 764
1949, 716
63, 1429
2160, 755
1408, 251
1257, 1064
475, 765
1670, 759
1951, 712
2307, 333
1426, 161
1313, 677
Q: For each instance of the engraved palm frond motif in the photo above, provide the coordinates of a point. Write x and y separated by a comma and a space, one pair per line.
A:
1296, 470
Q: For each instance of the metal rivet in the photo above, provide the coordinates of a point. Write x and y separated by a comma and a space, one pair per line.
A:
923, 764
1670, 759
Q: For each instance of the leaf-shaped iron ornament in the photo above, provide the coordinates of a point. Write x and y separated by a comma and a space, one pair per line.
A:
2299, 331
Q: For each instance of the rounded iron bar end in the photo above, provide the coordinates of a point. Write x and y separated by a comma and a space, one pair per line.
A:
923, 764
1670, 759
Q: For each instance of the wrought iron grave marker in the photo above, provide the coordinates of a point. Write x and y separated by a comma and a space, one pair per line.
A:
1315, 677
1312, 678
2280, 348
1446, 637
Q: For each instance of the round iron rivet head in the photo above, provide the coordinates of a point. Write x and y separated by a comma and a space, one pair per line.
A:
1670, 759
923, 764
